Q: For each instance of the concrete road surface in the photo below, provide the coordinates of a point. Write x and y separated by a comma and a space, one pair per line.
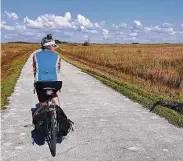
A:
108, 126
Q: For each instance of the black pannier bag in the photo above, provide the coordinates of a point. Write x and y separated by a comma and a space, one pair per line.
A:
40, 118
65, 124
42, 115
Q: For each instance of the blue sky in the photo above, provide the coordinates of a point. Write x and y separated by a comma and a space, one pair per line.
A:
112, 21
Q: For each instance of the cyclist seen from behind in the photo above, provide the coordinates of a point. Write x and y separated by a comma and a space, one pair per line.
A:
46, 68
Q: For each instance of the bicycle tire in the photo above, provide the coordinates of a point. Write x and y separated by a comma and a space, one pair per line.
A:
53, 139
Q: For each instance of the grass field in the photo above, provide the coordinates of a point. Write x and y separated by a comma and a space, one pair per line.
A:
13, 58
157, 68
144, 73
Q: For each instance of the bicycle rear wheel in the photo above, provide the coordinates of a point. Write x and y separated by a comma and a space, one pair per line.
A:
53, 138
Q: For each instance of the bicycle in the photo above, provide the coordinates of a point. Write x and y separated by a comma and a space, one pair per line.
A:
49, 125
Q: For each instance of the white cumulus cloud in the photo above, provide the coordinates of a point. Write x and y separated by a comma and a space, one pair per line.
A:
119, 26
137, 26
92, 31
68, 16
97, 25
67, 28
32, 24
105, 31
50, 20
62, 22
4, 26
27, 34
166, 25
165, 28
12, 16
133, 34
83, 21
160, 29
85, 30
69, 34
107, 37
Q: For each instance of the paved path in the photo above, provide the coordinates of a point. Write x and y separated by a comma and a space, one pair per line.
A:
108, 126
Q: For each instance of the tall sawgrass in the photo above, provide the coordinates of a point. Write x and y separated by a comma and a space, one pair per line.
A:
144, 73
13, 59
158, 68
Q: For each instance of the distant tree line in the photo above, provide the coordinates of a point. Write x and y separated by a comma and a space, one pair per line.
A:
23, 42
61, 42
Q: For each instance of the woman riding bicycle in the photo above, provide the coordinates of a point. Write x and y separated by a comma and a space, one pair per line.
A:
46, 68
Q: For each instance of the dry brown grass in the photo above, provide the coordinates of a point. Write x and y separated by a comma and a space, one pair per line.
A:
156, 68
13, 52
13, 57
144, 73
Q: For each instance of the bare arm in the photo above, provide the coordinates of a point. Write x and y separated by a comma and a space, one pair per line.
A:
59, 64
34, 66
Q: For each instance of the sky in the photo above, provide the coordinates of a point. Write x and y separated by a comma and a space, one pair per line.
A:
100, 21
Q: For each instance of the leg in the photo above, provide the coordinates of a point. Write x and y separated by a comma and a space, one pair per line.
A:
41, 104
56, 100
41, 97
